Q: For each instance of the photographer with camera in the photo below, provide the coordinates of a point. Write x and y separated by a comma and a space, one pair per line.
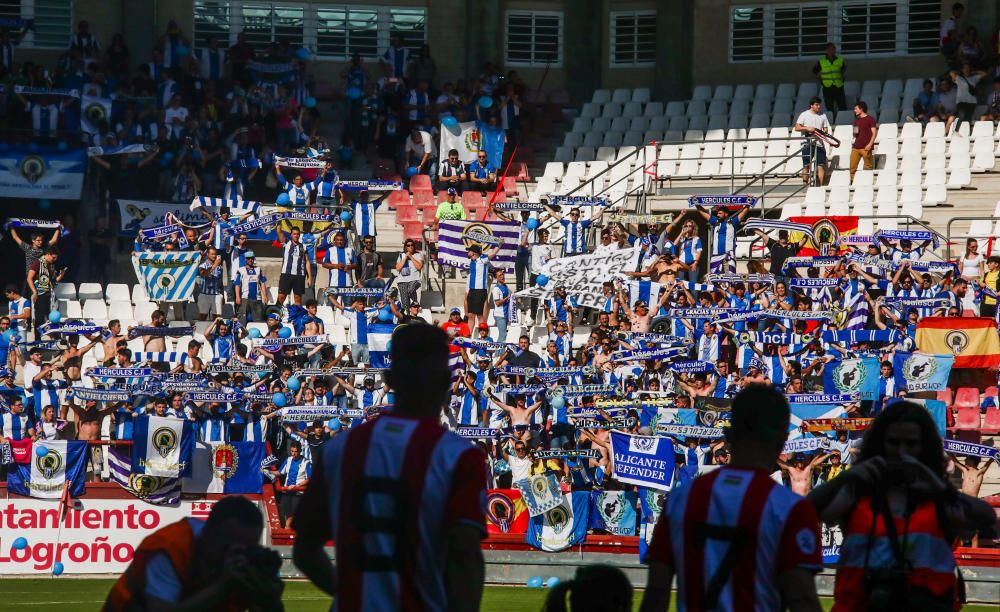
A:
900, 516
215, 564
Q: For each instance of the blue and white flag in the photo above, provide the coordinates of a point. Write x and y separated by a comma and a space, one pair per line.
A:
379, 338
143, 214
235, 467
237, 208
169, 277
32, 171
850, 376
562, 526
541, 493
93, 112
46, 475
150, 489
163, 446
806, 412
646, 461
970, 449
455, 238
936, 408
922, 371
651, 504
613, 511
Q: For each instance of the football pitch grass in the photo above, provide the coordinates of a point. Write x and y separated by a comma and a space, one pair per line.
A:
85, 594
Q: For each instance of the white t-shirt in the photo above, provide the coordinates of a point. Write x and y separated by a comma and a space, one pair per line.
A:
519, 468
30, 372
970, 267
540, 254
426, 145
814, 120
965, 87
408, 272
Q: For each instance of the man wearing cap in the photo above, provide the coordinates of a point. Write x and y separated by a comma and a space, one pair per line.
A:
250, 290
411, 315
456, 327
451, 174
449, 210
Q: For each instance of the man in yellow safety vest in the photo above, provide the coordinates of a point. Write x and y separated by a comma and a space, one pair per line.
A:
830, 69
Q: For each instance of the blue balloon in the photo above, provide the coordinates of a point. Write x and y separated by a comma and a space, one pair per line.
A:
552, 581
412, 171
385, 315
353, 92
55, 316
449, 121
345, 216
254, 333
558, 402
41, 451
535, 582
57, 568
285, 332
487, 102
310, 102
532, 224
182, 50
388, 346
63, 145
20, 544
541, 280
283, 199
278, 399
293, 384
303, 54
334, 424
168, 156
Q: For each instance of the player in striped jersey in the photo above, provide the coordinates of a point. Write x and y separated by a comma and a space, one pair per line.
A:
736, 539
296, 472
402, 498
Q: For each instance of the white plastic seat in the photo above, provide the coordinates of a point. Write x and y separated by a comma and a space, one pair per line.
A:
621, 95
641, 95
984, 162
143, 311
95, 309
862, 209
959, 178
575, 169
601, 96
70, 309
605, 154
90, 291
840, 178
979, 228
982, 128
791, 209
934, 130
65, 291
553, 170
912, 209
911, 129
121, 310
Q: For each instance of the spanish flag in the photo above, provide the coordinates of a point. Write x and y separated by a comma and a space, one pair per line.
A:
506, 512
974, 341
827, 232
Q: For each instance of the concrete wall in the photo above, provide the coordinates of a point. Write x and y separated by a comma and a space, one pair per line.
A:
692, 49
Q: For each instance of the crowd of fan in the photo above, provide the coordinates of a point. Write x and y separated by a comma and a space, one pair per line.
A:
261, 118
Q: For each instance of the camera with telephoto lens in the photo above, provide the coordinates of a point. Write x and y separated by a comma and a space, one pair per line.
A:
264, 559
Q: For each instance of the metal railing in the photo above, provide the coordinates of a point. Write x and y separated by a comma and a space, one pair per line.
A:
992, 235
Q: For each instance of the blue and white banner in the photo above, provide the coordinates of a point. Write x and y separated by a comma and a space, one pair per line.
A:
850, 376
231, 468
647, 354
692, 431
150, 489
308, 414
809, 412
237, 208
32, 171
169, 277
651, 504
722, 200
819, 261
87, 394
970, 449
806, 445
379, 340
100, 372
562, 526
922, 371
692, 367
541, 493
162, 446
822, 398
646, 461
862, 335
70, 328
613, 511
138, 215
47, 474
127, 149
378, 186
455, 238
